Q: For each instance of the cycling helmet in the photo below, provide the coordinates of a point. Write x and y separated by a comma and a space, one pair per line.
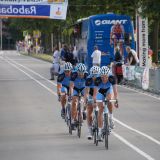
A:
105, 71
95, 70
68, 66
81, 68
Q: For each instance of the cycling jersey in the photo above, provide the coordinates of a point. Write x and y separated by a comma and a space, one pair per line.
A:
64, 81
90, 84
104, 88
79, 83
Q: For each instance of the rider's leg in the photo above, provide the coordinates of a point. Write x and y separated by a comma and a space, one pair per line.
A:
110, 108
89, 120
63, 100
74, 108
100, 99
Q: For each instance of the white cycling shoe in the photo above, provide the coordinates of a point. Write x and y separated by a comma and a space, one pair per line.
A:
111, 123
89, 136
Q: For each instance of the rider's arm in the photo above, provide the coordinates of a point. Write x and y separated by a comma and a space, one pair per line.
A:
130, 61
71, 86
112, 80
115, 91
59, 86
60, 78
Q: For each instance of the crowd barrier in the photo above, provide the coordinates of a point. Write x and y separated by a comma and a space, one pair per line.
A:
141, 77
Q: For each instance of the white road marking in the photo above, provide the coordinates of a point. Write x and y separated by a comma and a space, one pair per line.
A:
133, 146
32, 78
115, 134
32, 71
139, 132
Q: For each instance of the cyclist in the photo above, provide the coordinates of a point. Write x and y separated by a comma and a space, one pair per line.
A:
105, 87
94, 72
77, 85
63, 82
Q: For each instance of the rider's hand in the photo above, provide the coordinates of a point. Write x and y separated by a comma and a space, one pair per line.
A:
69, 98
116, 104
59, 97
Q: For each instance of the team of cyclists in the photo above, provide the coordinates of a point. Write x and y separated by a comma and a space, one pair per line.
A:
94, 87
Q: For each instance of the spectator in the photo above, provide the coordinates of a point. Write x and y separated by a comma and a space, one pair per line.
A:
55, 66
63, 52
69, 55
75, 55
132, 58
117, 66
96, 55
118, 56
81, 55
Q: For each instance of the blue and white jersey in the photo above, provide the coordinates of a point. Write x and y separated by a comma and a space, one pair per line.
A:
105, 88
64, 80
79, 83
90, 84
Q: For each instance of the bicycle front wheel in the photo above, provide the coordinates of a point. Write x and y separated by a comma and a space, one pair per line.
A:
96, 129
106, 130
79, 122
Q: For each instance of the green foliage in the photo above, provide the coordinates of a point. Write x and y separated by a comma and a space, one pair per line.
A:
84, 8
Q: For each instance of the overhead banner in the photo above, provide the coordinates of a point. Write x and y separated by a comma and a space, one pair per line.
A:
53, 9
142, 40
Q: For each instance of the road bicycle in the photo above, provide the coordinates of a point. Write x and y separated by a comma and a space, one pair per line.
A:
106, 125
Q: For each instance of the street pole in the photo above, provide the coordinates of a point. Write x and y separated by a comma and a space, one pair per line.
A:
1, 33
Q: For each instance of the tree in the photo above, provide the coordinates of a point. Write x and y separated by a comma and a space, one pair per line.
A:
151, 9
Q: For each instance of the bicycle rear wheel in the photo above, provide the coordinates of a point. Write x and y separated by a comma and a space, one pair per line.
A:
69, 119
96, 129
106, 130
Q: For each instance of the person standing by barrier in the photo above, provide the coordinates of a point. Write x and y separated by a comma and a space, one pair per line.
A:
117, 65
55, 66
132, 58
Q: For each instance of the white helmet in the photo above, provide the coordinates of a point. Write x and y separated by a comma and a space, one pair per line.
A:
105, 71
81, 68
95, 70
68, 66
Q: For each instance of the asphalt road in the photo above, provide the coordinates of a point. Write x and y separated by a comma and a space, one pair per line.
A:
31, 127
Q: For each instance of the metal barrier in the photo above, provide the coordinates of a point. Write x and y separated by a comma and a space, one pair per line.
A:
139, 77
154, 80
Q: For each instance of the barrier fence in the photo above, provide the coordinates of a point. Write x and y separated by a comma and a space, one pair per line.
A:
143, 78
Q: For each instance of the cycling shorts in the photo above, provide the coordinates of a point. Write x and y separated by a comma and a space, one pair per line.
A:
90, 100
64, 90
75, 92
102, 97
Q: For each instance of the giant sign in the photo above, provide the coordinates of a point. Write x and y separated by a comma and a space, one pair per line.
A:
53, 9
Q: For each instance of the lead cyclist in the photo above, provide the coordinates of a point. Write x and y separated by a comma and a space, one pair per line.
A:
105, 87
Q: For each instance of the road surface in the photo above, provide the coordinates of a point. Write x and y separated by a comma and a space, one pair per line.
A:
31, 127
